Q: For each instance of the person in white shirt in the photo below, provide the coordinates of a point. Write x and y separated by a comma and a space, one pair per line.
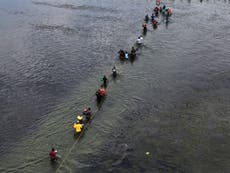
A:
140, 40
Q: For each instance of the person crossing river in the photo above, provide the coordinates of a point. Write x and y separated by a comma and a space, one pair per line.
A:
144, 27
133, 52
156, 11
139, 40
146, 18
78, 127
80, 119
52, 154
87, 113
114, 71
104, 81
100, 93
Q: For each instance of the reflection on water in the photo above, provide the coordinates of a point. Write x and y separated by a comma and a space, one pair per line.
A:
172, 101
62, 28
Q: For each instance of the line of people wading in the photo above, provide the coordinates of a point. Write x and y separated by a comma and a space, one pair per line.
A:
164, 11
86, 115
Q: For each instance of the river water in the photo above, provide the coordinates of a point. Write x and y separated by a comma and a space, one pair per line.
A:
172, 101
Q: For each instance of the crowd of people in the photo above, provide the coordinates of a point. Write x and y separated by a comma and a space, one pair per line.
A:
157, 10
86, 114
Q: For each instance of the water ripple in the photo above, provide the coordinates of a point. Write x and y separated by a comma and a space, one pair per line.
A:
64, 29
74, 7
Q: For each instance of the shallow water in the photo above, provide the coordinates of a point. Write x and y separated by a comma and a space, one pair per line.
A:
172, 101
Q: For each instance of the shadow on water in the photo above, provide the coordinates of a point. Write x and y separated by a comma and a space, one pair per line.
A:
54, 164
130, 60
64, 29
114, 77
144, 32
100, 101
155, 26
166, 24
76, 135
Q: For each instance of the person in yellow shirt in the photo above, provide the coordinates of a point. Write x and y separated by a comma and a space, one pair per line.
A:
78, 127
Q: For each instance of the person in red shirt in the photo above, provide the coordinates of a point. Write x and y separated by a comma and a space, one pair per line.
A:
102, 91
156, 10
52, 154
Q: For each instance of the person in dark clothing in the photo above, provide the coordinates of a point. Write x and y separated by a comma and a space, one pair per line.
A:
144, 27
121, 53
156, 10
146, 18
153, 17
133, 52
98, 95
87, 113
104, 81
